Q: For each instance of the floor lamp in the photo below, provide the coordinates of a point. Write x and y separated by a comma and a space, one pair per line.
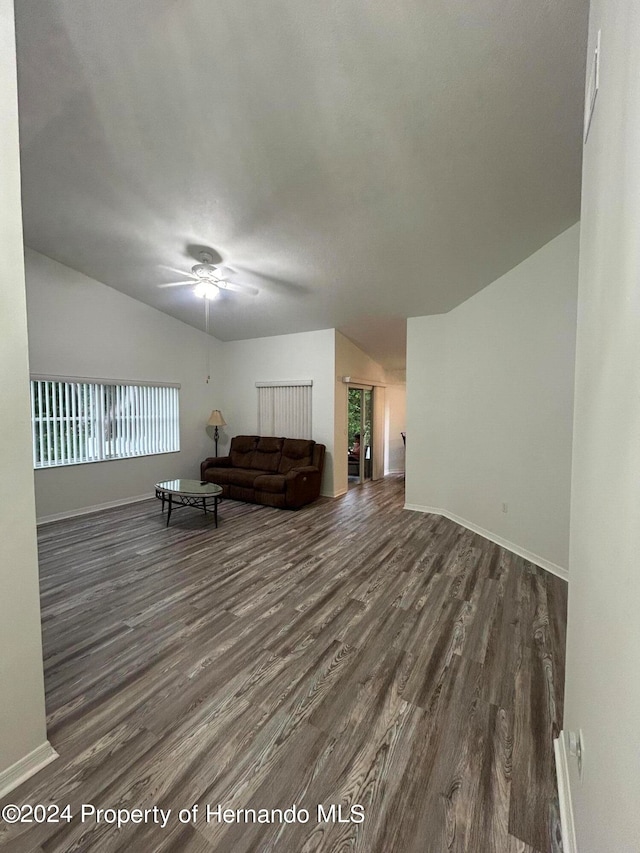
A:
216, 420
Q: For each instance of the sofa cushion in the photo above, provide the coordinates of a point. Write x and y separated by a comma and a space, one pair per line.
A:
271, 499
222, 476
244, 477
239, 493
267, 454
273, 483
242, 449
296, 452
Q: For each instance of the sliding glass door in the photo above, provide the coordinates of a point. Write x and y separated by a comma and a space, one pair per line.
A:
360, 434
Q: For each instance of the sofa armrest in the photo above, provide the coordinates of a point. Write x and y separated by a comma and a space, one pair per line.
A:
302, 485
214, 462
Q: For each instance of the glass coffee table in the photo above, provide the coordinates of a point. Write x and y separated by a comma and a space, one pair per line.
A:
193, 493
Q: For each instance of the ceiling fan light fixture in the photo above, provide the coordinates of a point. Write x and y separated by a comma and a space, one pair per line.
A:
208, 280
206, 290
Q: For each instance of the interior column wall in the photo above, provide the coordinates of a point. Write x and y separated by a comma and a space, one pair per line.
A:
603, 644
22, 709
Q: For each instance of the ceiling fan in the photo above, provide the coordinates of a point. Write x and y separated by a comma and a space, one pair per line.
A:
209, 279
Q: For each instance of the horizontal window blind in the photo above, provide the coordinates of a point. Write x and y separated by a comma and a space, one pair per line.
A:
75, 422
285, 409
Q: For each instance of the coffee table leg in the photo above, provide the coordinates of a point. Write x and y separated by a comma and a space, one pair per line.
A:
215, 510
170, 505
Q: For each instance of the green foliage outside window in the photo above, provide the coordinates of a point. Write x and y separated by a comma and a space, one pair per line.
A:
355, 398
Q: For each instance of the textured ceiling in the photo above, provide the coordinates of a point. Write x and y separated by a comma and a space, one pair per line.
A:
359, 162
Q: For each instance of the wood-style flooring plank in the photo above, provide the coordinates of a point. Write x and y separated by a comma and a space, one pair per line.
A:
349, 653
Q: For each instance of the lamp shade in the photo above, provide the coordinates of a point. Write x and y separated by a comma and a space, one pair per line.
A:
216, 419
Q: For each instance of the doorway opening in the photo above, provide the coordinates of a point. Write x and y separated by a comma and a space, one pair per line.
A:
360, 435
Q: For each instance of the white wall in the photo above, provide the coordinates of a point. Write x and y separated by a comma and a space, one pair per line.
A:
80, 327
22, 712
395, 424
603, 653
428, 411
304, 355
490, 405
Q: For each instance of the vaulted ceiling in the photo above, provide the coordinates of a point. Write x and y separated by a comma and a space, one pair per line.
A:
358, 162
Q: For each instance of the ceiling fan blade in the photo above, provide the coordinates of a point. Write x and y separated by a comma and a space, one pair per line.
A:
238, 288
174, 269
224, 271
177, 283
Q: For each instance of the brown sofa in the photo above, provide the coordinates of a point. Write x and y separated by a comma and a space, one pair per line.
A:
280, 472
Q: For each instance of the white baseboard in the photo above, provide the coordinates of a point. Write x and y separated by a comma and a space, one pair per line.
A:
564, 795
337, 494
492, 537
431, 510
87, 510
26, 767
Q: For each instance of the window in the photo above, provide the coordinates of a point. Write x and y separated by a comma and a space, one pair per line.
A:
81, 420
284, 408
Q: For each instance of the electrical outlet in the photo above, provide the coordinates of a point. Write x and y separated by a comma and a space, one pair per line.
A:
505, 507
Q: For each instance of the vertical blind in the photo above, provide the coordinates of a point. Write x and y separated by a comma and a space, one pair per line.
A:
88, 421
284, 408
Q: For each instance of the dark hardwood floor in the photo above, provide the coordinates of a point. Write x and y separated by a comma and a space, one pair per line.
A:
350, 653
